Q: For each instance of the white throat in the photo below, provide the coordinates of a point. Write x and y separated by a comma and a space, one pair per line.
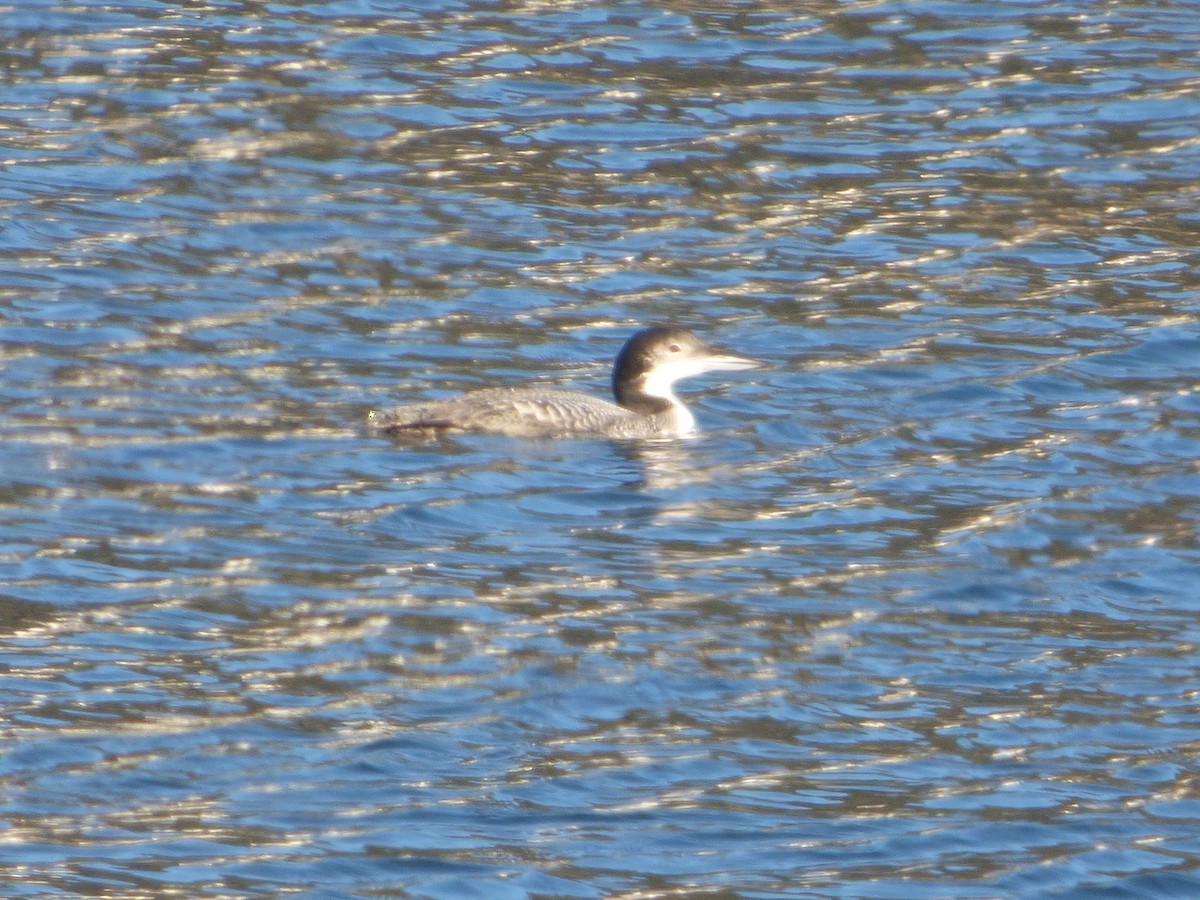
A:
659, 384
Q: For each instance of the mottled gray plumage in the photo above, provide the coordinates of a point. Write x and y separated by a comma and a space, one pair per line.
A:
649, 363
527, 412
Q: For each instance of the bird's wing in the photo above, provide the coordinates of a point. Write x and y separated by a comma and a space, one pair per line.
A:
515, 411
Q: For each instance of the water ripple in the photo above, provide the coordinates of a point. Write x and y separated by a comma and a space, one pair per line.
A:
912, 615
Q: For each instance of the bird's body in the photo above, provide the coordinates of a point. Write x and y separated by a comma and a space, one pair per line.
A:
646, 408
532, 412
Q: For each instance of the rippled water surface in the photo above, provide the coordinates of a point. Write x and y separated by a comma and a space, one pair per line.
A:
915, 617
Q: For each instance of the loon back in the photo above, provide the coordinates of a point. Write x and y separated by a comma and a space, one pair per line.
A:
528, 412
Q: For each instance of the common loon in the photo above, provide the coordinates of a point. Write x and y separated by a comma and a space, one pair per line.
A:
645, 370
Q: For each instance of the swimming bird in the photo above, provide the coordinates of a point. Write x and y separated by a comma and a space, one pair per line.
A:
642, 379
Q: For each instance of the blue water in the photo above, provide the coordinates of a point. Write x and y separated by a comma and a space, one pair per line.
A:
914, 617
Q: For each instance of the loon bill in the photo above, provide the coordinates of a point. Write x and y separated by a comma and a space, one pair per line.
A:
643, 375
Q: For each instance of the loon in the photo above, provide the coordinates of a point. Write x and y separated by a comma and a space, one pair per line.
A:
645, 370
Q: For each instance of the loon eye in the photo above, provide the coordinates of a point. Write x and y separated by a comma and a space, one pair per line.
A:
674, 348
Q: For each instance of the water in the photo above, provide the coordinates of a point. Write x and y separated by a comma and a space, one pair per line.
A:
915, 617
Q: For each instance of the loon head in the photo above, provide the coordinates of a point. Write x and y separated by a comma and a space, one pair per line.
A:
655, 358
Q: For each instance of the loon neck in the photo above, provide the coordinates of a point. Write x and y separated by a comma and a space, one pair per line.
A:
668, 410
644, 404
640, 394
